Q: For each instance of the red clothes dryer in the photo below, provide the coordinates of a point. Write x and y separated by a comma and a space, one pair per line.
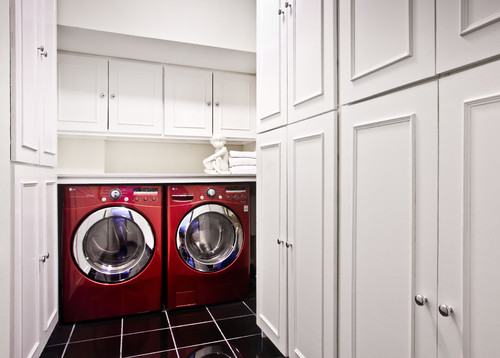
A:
111, 251
208, 237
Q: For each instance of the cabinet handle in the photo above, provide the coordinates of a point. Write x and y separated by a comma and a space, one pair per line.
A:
420, 300
102, 95
217, 104
209, 103
112, 96
287, 4
281, 12
44, 257
288, 244
279, 241
42, 51
445, 310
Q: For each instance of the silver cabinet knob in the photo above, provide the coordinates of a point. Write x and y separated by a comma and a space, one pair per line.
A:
42, 50
209, 103
288, 244
287, 4
102, 95
420, 300
281, 12
279, 241
113, 96
44, 257
445, 310
217, 104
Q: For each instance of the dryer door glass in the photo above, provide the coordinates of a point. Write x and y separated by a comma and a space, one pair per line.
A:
209, 238
113, 244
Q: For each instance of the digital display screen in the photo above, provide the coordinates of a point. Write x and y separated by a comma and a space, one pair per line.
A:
145, 191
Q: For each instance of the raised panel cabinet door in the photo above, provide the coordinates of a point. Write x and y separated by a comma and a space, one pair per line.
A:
467, 31
469, 196
82, 93
271, 63
48, 125
188, 102
388, 226
384, 45
272, 309
234, 105
312, 40
27, 60
27, 194
135, 97
312, 237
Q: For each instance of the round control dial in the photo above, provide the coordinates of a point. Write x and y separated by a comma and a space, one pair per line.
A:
210, 192
115, 194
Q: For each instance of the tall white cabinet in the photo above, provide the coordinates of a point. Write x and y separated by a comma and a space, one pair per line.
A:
34, 180
296, 246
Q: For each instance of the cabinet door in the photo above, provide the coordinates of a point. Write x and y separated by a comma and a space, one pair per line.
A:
188, 102
48, 248
25, 146
469, 173
388, 226
271, 62
83, 93
272, 233
467, 32
27, 194
311, 238
311, 57
135, 97
234, 105
384, 45
48, 129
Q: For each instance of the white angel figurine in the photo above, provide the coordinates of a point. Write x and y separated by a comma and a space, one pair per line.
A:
217, 163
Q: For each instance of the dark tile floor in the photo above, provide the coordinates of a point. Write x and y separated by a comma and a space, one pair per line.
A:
224, 330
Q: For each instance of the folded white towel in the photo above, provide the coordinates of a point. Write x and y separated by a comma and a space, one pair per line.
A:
235, 162
244, 169
240, 154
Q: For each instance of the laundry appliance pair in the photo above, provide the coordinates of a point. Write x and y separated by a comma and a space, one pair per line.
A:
121, 244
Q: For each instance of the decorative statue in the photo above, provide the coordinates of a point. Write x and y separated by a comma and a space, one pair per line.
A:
217, 163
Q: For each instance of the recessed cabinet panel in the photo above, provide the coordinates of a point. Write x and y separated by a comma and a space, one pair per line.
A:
383, 45
467, 31
271, 65
135, 97
469, 269
271, 211
188, 101
234, 105
83, 93
388, 226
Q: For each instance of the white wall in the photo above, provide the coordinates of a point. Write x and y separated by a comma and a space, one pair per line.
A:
5, 214
219, 23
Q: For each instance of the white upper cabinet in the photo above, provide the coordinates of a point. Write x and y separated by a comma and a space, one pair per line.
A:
135, 97
83, 93
469, 173
388, 225
384, 45
234, 105
188, 101
34, 138
467, 32
296, 44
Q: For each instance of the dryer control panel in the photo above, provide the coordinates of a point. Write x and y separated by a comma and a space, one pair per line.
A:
206, 192
106, 194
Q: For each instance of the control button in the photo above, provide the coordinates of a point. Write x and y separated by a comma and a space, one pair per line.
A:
210, 192
202, 197
243, 197
228, 197
236, 197
126, 198
136, 198
220, 197
115, 194
104, 199
154, 198
145, 198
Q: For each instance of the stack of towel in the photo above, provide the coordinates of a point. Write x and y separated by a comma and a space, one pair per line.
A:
242, 162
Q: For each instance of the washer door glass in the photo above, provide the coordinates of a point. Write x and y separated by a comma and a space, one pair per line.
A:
113, 244
209, 238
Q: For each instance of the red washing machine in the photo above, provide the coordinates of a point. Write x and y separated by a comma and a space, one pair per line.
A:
208, 238
111, 251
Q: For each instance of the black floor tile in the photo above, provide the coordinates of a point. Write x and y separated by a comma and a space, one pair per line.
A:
105, 348
228, 310
60, 334
180, 317
238, 327
144, 322
220, 350
53, 351
252, 304
255, 346
96, 329
196, 334
147, 342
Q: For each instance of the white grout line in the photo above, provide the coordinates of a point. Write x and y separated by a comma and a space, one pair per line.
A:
121, 341
69, 338
190, 324
172, 333
223, 336
248, 308
233, 317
